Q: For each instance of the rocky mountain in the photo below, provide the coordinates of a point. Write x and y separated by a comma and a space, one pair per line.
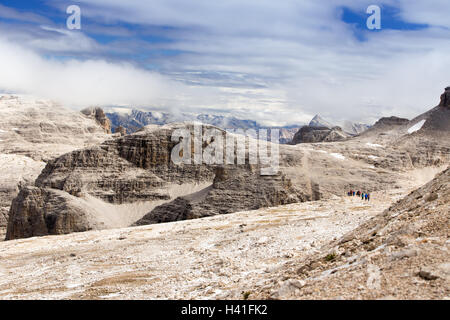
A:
354, 128
318, 121
348, 127
314, 134
445, 98
137, 119
320, 130
33, 132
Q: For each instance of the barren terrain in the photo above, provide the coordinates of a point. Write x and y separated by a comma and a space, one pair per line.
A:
214, 258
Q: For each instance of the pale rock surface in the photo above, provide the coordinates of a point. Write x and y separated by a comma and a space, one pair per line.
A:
216, 257
31, 133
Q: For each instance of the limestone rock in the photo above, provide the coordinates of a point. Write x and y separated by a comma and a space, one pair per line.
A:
445, 98
314, 134
99, 115
33, 132
39, 212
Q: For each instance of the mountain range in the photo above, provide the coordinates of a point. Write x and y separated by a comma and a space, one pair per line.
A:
132, 120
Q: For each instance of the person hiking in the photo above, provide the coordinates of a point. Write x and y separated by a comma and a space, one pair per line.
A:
362, 196
368, 197
358, 193
365, 196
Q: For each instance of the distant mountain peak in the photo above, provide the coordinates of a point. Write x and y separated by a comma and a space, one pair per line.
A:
318, 121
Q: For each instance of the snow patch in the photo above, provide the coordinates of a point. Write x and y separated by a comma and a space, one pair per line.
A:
122, 110
157, 115
374, 145
338, 156
417, 126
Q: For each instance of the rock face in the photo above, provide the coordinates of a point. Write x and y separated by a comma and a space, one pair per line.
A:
48, 211
314, 134
99, 115
33, 132
445, 98
121, 130
390, 121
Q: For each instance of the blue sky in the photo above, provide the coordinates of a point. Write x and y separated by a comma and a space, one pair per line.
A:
274, 62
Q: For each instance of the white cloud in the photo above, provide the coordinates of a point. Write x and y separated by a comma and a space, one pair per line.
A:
79, 83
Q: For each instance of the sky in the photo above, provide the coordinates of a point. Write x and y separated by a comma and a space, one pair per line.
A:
275, 62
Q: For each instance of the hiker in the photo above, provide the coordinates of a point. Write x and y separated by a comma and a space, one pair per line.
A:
362, 196
354, 193
358, 193
365, 196
368, 197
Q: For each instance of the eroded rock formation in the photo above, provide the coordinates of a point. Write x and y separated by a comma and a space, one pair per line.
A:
99, 115
445, 98
33, 132
314, 134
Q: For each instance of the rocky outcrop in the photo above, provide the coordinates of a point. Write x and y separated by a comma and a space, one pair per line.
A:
33, 132
314, 134
445, 98
121, 130
44, 211
99, 115
4, 214
390, 121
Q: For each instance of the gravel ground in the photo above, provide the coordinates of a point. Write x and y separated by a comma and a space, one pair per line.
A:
219, 257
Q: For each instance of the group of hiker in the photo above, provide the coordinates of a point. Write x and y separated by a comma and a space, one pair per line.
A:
364, 195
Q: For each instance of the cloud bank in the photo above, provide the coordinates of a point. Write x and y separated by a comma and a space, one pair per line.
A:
277, 63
